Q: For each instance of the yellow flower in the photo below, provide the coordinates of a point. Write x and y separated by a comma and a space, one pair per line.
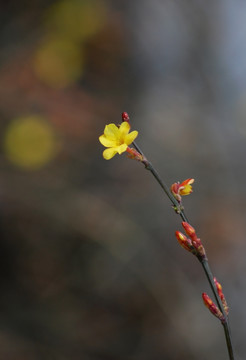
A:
116, 139
185, 188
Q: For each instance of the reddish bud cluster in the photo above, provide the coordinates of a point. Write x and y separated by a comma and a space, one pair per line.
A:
185, 242
192, 244
212, 307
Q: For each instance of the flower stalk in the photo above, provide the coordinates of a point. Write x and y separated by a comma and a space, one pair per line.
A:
117, 140
204, 261
148, 166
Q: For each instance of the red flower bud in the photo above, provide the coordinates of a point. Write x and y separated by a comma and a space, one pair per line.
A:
222, 296
134, 154
219, 287
212, 307
190, 231
125, 117
195, 245
184, 241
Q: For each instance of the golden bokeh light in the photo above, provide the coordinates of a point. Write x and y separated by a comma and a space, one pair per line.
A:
30, 142
77, 19
58, 62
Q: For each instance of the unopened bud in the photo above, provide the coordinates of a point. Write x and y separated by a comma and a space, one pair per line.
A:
184, 241
195, 244
175, 191
218, 286
221, 295
125, 117
212, 307
134, 154
190, 231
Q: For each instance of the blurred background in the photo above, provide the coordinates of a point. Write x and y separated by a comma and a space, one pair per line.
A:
90, 268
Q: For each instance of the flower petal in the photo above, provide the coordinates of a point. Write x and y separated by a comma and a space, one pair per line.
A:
187, 182
124, 129
122, 148
185, 187
105, 141
109, 153
185, 190
131, 137
111, 131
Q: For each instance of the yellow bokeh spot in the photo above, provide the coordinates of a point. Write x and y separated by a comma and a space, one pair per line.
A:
58, 62
77, 19
30, 142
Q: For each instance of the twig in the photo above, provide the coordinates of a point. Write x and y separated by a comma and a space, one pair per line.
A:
204, 261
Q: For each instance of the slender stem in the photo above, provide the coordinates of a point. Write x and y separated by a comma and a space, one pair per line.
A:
179, 210
228, 340
150, 167
210, 278
225, 324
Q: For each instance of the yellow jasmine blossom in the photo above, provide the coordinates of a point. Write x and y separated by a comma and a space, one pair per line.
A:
185, 188
116, 139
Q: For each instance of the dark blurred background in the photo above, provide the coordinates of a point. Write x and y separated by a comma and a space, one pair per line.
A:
90, 268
